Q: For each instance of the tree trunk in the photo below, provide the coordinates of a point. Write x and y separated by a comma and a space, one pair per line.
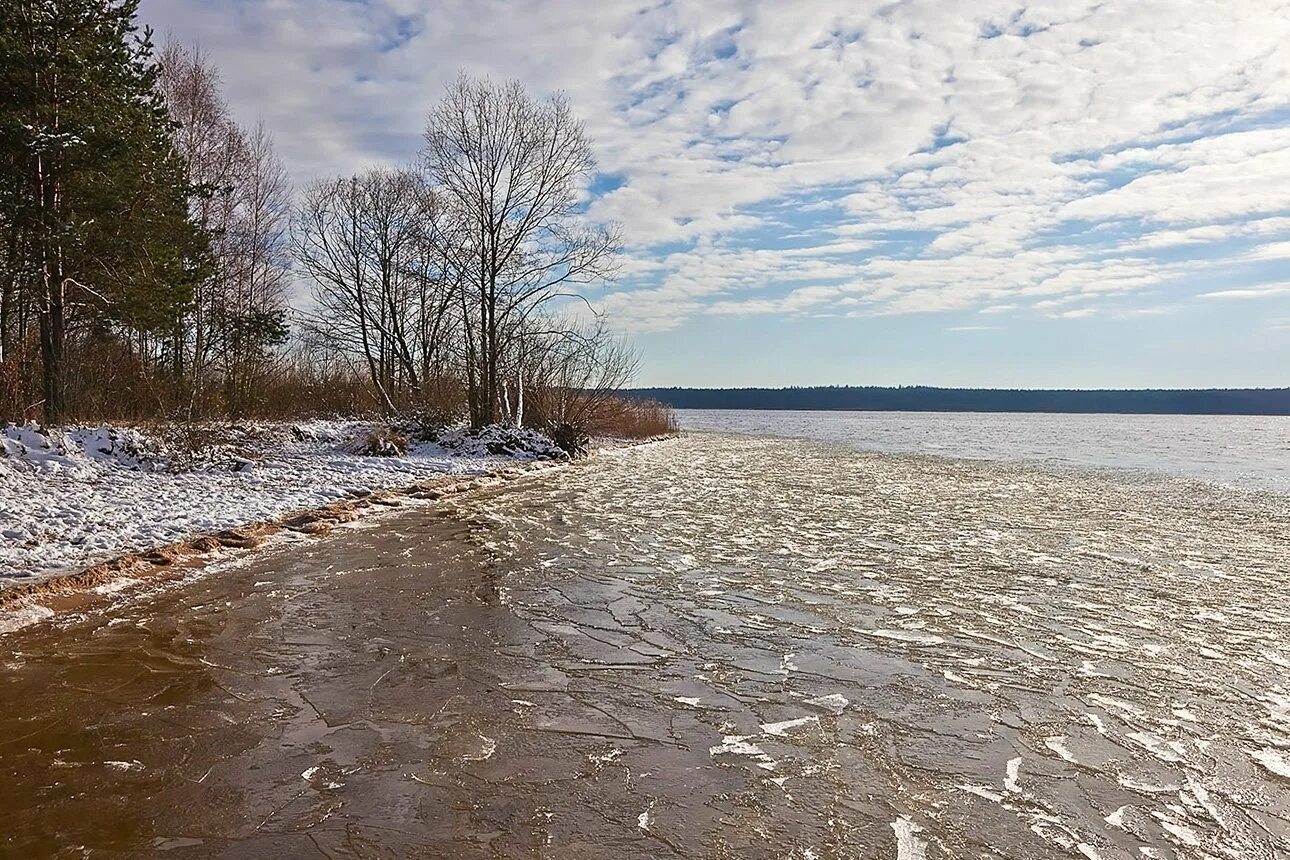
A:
52, 340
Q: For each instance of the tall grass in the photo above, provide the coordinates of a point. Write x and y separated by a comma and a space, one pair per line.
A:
628, 418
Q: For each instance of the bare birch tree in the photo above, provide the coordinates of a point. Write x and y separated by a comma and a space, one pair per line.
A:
242, 201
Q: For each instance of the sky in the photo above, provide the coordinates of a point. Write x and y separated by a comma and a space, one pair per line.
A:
943, 192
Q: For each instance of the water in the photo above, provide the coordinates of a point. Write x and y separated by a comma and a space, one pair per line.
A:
716, 646
1249, 451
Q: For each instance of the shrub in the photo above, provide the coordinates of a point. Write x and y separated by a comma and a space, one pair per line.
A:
572, 440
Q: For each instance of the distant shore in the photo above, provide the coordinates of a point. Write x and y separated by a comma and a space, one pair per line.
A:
1209, 401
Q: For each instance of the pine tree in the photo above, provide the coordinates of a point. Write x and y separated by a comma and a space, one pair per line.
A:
99, 200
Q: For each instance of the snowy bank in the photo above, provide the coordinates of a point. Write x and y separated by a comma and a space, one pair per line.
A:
69, 499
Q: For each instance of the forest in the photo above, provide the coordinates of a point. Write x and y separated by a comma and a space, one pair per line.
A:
157, 262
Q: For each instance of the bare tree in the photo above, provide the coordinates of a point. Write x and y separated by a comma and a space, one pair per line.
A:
574, 372
242, 201
251, 308
510, 170
381, 290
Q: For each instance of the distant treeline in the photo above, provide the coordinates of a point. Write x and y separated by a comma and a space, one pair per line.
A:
1212, 401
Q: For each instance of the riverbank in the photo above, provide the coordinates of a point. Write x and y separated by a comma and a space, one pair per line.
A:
83, 507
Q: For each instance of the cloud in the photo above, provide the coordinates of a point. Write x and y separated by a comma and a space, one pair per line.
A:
812, 157
1259, 292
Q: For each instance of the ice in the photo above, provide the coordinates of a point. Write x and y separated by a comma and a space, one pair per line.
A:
783, 728
1276, 761
908, 845
1029, 585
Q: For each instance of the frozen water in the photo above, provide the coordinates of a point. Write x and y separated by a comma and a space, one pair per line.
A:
1244, 450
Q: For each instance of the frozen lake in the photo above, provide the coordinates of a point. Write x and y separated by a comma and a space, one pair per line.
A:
1241, 450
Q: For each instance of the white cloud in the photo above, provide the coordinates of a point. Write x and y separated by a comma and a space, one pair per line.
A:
1061, 152
1258, 292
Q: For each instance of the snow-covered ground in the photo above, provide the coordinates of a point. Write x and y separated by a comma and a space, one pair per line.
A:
71, 498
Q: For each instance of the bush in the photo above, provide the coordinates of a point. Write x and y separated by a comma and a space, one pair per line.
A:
571, 440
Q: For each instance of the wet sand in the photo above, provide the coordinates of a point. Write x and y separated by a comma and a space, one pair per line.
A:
706, 648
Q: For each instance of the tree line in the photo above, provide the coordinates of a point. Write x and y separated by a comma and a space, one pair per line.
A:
156, 261
1215, 401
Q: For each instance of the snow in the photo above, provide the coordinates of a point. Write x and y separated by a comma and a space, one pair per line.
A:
834, 703
499, 440
738, 745
71, 498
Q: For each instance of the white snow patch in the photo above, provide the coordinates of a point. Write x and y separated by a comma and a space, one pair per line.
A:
982, 791
612, 754
487, 746
71, 498
24, 616
913, 637
1159, 747
738, 745
124, 765
115, 585
1057, 744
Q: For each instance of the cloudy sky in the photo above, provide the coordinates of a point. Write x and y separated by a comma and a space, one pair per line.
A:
956, 192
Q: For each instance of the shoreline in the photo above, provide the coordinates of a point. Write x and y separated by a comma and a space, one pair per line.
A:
73, 498
77, 585
74, 587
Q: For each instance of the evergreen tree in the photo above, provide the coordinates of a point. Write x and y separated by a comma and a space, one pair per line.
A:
99, 196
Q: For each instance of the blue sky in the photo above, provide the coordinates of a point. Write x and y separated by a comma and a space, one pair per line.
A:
923, 192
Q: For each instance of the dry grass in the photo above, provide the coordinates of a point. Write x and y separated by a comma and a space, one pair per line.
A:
626, 418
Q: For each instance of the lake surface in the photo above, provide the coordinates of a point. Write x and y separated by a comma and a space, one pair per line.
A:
1249, 451
717, 646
